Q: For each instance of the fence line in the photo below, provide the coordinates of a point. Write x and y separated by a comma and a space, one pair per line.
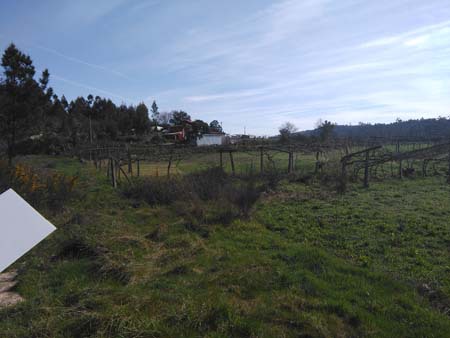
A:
369, 159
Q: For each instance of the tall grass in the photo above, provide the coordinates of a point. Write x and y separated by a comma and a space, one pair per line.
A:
210, 194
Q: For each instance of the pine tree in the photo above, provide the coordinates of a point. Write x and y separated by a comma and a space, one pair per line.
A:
22, 97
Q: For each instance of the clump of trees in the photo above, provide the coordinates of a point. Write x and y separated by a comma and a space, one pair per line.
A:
325, 130
289, 132
31, 113
286, 131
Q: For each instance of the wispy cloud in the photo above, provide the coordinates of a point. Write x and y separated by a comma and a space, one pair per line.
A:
416, 41
256, 63
349, 68
86, 12
88, 87
82, 62
144, 5
289, 17
225, 96
409, 38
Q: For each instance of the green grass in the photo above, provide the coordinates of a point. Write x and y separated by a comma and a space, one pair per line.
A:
307, 263
398, 227
245, 162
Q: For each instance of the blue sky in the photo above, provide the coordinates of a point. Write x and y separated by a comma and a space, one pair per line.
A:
253, 63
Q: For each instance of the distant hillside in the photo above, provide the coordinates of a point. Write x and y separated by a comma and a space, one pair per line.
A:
411, 129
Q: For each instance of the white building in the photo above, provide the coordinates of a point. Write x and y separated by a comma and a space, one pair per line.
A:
211, 140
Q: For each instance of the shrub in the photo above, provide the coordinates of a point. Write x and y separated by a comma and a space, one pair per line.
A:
204, 185
208, 196
207, 184
41, 188
154, 190
245, 196
273, 178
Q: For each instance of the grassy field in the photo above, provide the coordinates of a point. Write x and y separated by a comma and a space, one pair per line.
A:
245, 162
306, 262
249, 161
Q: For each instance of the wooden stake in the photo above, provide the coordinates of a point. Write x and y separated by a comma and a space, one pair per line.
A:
366, 171
344, 169
232, 163
448, 173
170, 164
261, 160
316, 169
113, 173
130, 166
290, 162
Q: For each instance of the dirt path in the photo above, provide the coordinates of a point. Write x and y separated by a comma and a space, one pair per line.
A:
7, 283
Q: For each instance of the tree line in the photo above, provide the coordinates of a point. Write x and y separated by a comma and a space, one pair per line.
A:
413, 129
33, 115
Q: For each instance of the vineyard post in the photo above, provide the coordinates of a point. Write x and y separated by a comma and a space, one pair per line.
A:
108, 167
95, 160
290, 162
448, 173
366, 170
169, 165
344, 168
113, 173
261, 160
316, 169
232, 163
130, 166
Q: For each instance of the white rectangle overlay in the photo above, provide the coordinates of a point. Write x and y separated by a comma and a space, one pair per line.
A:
21, 228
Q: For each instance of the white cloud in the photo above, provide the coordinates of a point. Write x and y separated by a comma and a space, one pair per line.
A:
417, 41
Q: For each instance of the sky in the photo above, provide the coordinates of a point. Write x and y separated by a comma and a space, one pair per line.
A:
251, 64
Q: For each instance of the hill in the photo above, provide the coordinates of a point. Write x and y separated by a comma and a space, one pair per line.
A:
421, 129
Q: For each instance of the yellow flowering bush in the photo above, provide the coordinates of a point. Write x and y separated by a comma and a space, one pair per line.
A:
38, 187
